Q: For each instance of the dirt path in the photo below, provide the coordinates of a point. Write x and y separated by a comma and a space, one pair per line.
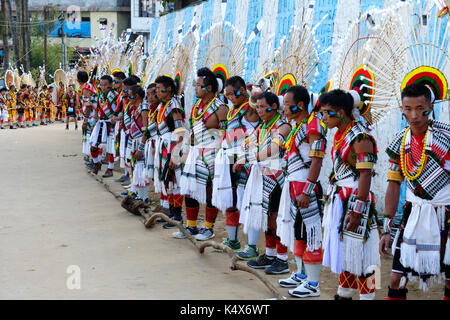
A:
55, 215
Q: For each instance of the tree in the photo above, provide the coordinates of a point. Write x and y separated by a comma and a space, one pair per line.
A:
13, 34
5, 37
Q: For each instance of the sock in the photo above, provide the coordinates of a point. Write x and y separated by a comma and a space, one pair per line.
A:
282, 251
396, 294
313, 272
348, 285
271, 245
110, 161
176, 213
210, 216
253, 236
232, 233
446, 294
366, 287
191, 213
299, 262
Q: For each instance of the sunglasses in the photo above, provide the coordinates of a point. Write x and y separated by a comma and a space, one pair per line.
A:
125, 90
131, 97
116, 81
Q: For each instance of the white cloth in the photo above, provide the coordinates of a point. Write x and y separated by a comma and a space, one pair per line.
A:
333, 210
103, 124
285, 222
420, 248
167, 137
222, 194
252, 216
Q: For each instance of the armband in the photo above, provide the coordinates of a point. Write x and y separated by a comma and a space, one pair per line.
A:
365, 160
309, 187
386, 225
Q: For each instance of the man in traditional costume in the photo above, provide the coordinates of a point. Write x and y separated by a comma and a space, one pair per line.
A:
169, 121
350, 240
103, 133
299, 224
21, 105
419, 153
241, 121
71, 101
12, 107
207, 117
262, 193
3, 107
138, 108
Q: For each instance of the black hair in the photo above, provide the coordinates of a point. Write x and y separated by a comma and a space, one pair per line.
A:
136, 89
209, 79
44, 87
119, 75
339, 100
82, 76
300, 94
417, 90
107, 78
3, 89
270, 98
136, 78
23, 86
167, 82
151, 85
130, 81
236, 82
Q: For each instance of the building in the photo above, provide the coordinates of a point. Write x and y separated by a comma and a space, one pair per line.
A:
84, 20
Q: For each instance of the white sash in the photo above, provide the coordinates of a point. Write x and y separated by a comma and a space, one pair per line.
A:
96, 131
222, 194
420, 248
333, 210
158, 149
252, 216
285, 223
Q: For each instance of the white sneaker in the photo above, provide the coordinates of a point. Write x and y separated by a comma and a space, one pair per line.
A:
205, 234
305, 289
292, 282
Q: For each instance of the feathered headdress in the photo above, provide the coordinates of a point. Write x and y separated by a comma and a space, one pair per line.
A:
222, 50
358, 61
184, 58
9, 78
296, 60
423, 53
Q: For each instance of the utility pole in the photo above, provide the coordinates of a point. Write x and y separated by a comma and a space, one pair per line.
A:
63, 45
45, 37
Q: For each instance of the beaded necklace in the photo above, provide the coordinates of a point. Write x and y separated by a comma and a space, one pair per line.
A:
161, 114
407, 166
338, 141
194, 110
231, 116
266, 129
291, 138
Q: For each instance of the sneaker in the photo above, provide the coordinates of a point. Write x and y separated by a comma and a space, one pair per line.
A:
170, 225
233, 245
277, 267
261, 262
293, 281
305, 289
180, 235
124, 194
121, 179
248, 253
205, 234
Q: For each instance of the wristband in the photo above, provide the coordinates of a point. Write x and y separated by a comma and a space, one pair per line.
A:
359, 207
309, 187
386, 225
141, 146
